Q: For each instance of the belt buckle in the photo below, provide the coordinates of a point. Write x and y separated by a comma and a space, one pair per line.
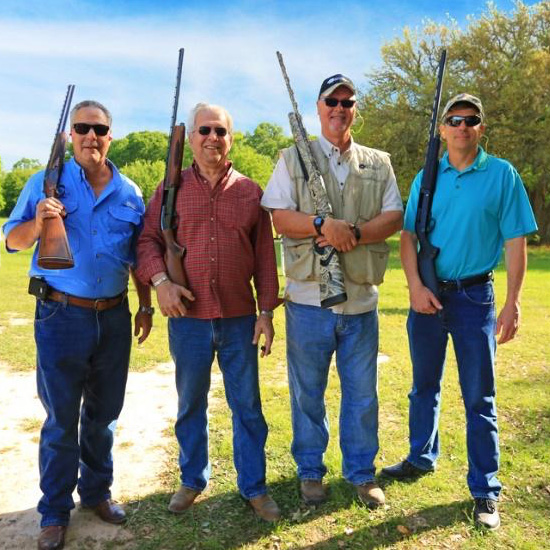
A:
97, 303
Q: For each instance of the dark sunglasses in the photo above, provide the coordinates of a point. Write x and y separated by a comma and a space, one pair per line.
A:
456, 120
83, 128
205, 131
332, 102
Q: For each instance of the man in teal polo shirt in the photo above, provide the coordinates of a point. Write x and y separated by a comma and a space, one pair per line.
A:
479, 205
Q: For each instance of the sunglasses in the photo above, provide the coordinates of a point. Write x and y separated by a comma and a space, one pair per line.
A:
205, 131
83, 128
456, 120
332, 102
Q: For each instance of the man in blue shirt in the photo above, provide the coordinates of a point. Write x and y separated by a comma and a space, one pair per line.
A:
479, 205
82, 321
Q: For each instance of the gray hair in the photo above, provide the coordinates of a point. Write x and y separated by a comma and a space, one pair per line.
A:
200, 107
93, 104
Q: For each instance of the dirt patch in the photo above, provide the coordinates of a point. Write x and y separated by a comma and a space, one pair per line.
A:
139, 455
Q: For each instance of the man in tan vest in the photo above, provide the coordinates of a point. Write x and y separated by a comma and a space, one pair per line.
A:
366, 209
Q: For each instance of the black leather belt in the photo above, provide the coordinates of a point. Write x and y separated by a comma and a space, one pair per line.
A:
468, 281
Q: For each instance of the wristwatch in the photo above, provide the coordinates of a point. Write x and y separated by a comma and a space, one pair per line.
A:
267, 313
356, 232
146, 309
318, 222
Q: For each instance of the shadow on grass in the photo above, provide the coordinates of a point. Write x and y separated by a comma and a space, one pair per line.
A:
225, 521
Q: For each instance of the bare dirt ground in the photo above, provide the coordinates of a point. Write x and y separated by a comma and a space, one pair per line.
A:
139, 457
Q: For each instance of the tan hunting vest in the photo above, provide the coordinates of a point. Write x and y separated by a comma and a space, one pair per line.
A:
359, 201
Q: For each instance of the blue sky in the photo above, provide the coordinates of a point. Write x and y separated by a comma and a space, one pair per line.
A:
124, 54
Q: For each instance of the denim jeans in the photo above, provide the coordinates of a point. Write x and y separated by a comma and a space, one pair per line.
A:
193, 343
82, 367
313, 335
468, 315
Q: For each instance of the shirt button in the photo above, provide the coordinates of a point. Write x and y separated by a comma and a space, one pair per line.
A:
212, 219
94, 231
99, 279
213, 280
212, 259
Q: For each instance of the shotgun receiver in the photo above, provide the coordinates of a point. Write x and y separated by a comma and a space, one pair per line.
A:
53, 250
172, 179
427, 253
332, 287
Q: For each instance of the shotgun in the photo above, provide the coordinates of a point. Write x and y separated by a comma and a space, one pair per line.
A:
172, 179
332, 287
427, 253
53, 250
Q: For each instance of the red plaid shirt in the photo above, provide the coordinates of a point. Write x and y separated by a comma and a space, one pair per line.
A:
229, 241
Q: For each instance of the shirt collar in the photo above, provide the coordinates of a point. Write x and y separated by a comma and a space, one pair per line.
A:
480, 162
223, 178
331, 150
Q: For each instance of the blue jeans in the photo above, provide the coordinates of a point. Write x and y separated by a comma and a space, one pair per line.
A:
193, 343
82, 367
468, 315
313, 335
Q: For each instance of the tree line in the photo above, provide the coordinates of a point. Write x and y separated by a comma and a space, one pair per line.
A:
502, 57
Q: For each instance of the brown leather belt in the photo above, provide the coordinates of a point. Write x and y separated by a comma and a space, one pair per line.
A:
101, 304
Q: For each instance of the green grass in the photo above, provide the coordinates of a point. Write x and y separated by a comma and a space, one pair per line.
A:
434, 512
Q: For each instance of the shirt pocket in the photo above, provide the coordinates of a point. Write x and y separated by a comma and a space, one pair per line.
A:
122, 224
301, 262
366, 263
241, 213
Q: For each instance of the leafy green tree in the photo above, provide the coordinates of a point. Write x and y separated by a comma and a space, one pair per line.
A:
268, 139
504, 58
12, 184
26, 164
147, 175
147, 146
249, 162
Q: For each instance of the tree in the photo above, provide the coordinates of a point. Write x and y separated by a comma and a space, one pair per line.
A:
26, 164
12, 184
268, 139
249, 162
147, 146
504, 58
147, 175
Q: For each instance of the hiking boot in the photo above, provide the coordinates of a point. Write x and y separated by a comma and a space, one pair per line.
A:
312, 491
182, 500
265, 508
486, 513
371, 495
405, 470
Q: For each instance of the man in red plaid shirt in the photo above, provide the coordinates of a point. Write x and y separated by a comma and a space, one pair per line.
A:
229, 242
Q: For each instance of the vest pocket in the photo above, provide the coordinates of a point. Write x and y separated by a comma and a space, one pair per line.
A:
366, 263
300, 259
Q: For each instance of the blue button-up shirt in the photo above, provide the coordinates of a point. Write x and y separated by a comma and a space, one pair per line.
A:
474, 211
102, 231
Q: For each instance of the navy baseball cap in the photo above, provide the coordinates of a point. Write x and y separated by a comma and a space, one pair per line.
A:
332, 82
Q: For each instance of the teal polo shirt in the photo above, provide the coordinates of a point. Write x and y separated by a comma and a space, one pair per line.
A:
474, 212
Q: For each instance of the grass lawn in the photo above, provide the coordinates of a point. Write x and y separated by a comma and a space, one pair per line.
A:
434, 512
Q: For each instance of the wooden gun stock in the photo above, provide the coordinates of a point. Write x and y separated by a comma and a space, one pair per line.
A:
54, 251
174, 252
